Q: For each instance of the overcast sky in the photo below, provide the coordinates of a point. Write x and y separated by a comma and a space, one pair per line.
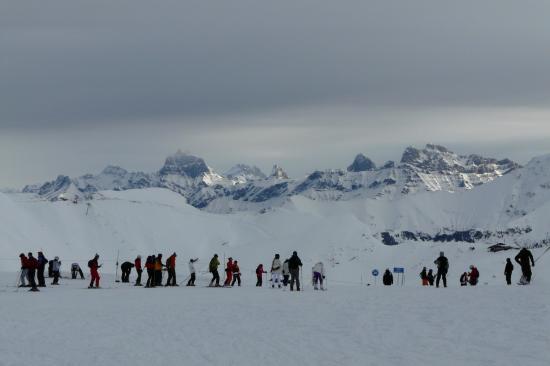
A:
305, 84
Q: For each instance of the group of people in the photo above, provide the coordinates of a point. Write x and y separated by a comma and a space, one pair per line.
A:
283, 273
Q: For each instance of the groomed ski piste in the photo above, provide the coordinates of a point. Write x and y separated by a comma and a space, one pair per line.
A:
357, 321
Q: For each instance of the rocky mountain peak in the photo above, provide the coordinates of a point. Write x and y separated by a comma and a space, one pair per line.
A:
184, 164
361, 164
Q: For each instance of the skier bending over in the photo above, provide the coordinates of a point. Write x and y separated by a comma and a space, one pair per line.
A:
192, 272
473, 276
442, 268
94, 266
126, 269
464, 279
276, 271
75, 268
525, 259
260, 275
236, 274
318, 271
213, 268
508, 269
294, 264
56, 267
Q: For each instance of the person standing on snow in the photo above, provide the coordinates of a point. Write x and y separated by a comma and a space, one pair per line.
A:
228, 272
431, 277
236, 274
318, 271
158, 270
294, 265
276, 271
42, 261
387, 278
260, 275
525, 259
75, 268
139, 270
473, 276
32, 265
150, 266
126, 269
464, 279
192, 272
286, 273
213, 268
24, 271
508, 269
442, 268
56, 268
94, 267
424, 277
171, 266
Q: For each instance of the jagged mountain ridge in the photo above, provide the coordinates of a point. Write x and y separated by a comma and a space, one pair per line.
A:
433, 168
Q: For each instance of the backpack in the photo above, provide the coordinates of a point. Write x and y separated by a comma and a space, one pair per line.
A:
90, 263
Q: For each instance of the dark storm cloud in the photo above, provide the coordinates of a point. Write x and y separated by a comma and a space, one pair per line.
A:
78, 62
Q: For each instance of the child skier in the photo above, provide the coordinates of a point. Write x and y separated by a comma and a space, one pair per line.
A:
286, 273
318, 275
259, 275
508, 269
236, 274
192, 271
464, 279
424, 277
56, 266
473, 275
431, 277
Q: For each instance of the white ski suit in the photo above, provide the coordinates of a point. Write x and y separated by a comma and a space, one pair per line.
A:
276, 272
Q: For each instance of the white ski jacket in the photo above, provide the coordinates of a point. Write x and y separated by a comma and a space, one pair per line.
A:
319, 268
56, 266
192, 266
286, 270
276, 266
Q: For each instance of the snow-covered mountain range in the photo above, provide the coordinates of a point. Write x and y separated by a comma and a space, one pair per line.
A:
243, 187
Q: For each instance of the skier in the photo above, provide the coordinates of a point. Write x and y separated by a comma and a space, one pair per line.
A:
318, 271
442, 268
75, 268
236, 274
171, 266
150, 266
213, 268
42, 261
24, 270
294, 264
260, 275
525, 259
32, 265
431, 277
473, 275
508, 269
387, 278
464, 279
56, 266
139, 270
192, 271
94, 266
50, 269
276, 271
286, 273
126, 269
424, 277
228, 272
158, 270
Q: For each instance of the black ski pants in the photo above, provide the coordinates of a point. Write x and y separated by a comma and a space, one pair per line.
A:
215, 277
31, 274
236, 278
171, 281
441, 275
191, 281
138, 279
526, 271
55, 278
150, 278
158, 278
40, 276
295, 278
508, 278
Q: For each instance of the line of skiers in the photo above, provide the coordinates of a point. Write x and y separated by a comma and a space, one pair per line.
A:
32, 267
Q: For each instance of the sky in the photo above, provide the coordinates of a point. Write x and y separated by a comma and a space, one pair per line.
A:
304, 84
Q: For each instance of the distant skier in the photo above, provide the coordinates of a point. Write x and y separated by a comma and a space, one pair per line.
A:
24, 271
508, 269
525, 259
56, 268
126, 269
213, 268
228, 272
139, 270
464, 279
192, 271
424, 277
260, 275
318, 271
75, 268
94, 267
171, 266
158, 270
286, 273
32, 265
442, 268
236, 274
50, 269
276, 271
473, 276
150, 267
294, 265
42, 261
431, 277
387, 278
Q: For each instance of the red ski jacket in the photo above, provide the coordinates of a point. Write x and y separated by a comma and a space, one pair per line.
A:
24, 262
171, 262
137, 263
259, 270
32, 263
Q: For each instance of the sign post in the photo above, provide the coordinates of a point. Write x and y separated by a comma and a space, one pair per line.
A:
375, 275
400, 271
